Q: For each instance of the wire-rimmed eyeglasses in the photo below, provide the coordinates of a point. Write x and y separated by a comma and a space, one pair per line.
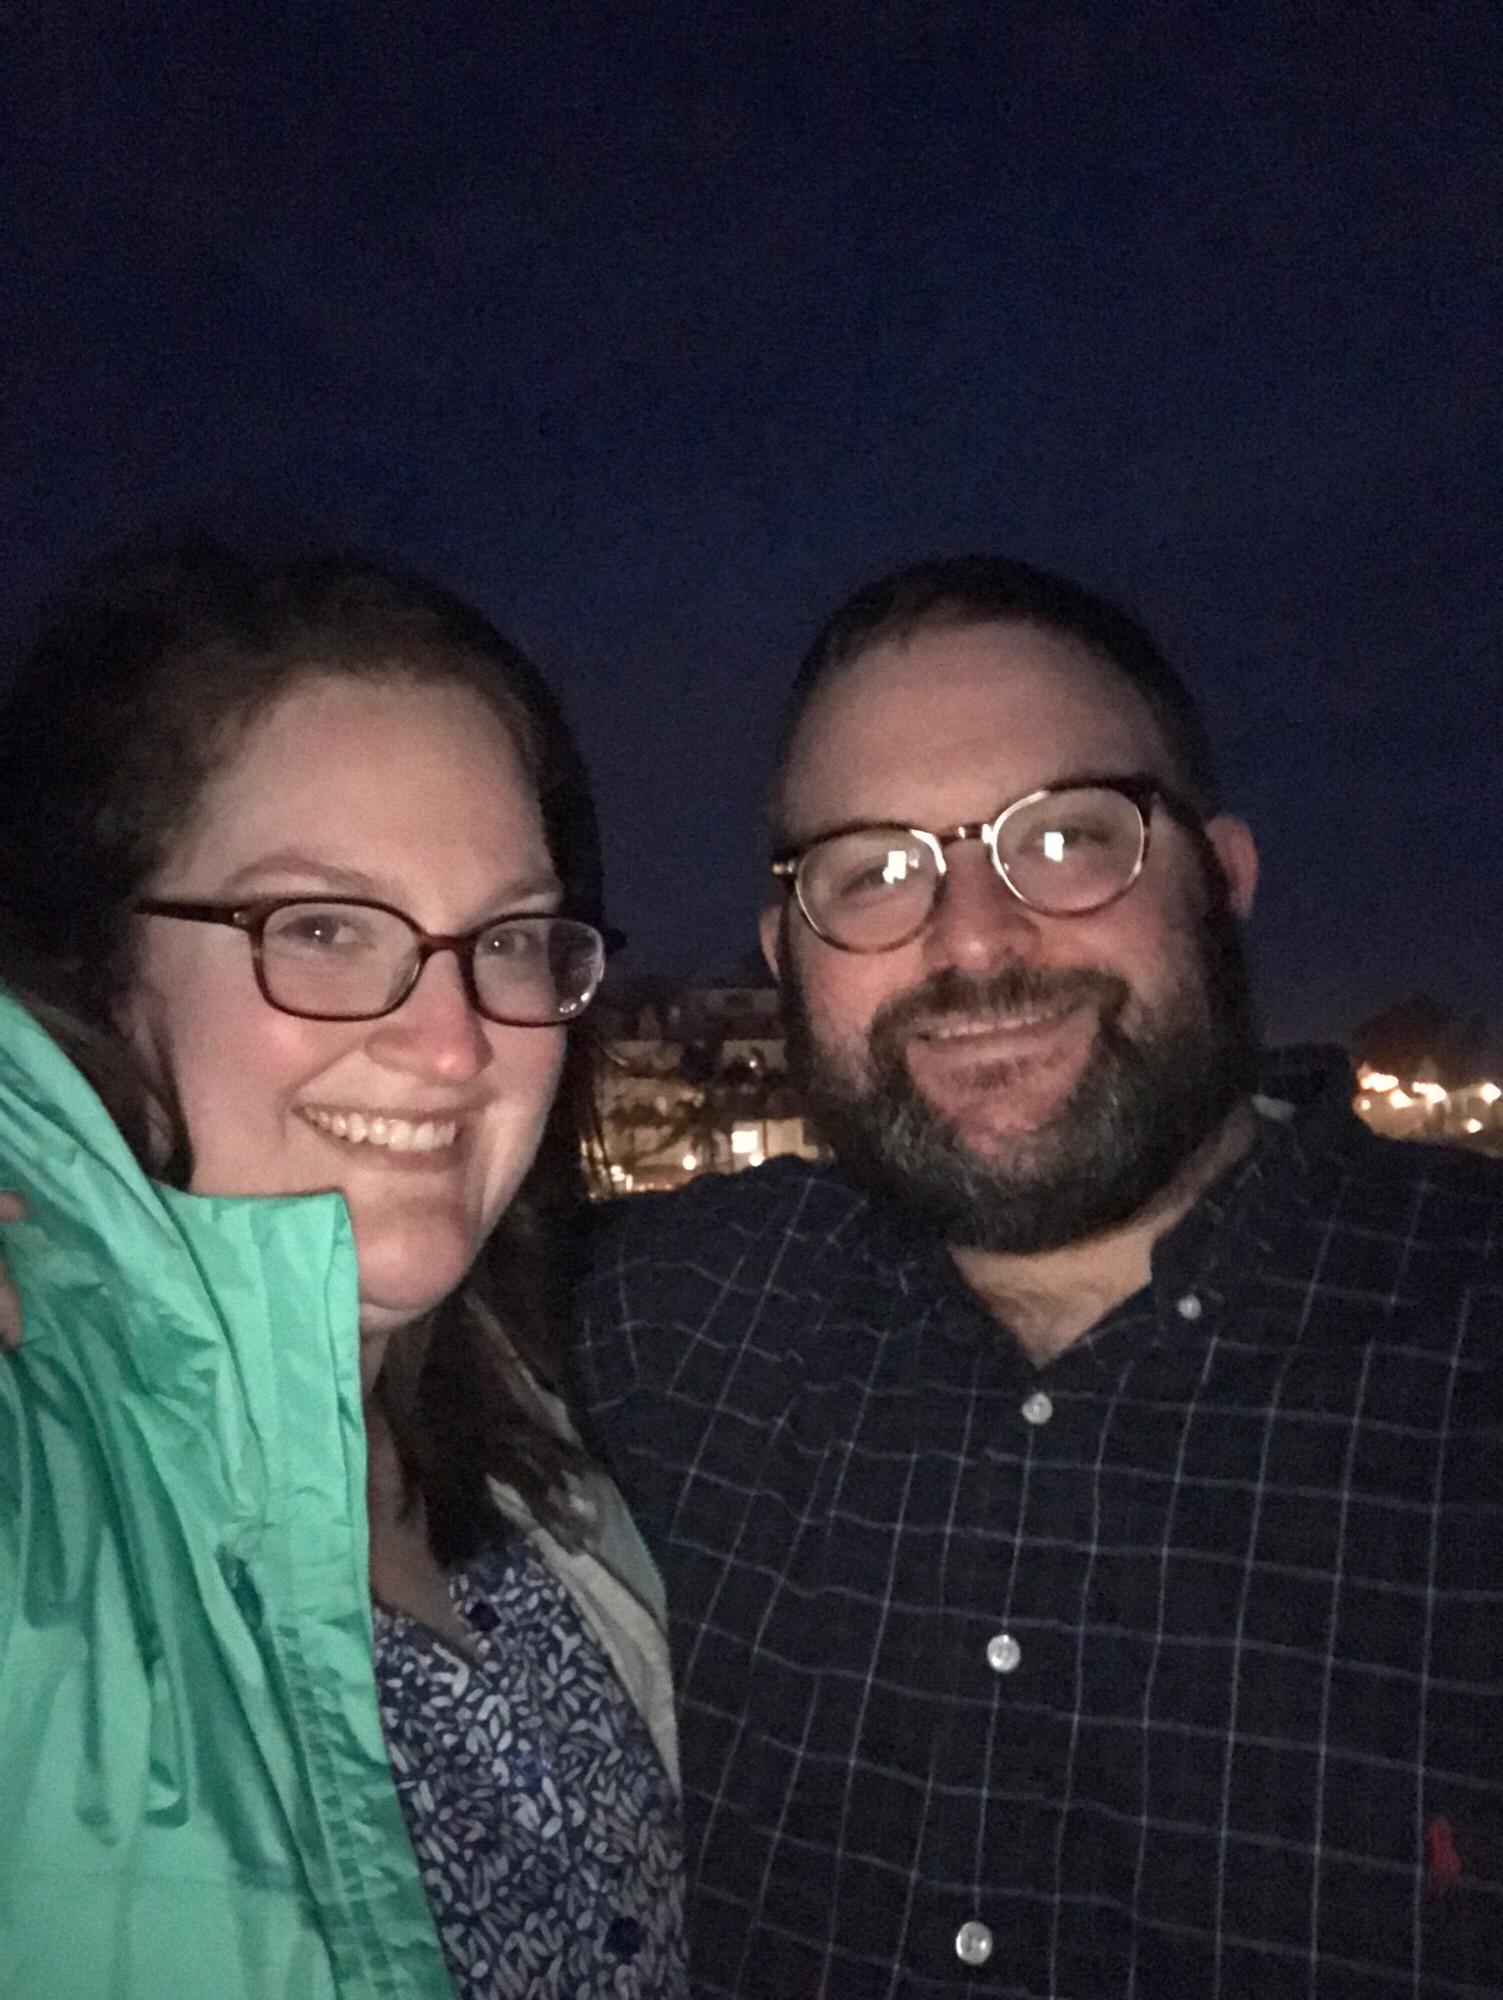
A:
349, 959
1066, 850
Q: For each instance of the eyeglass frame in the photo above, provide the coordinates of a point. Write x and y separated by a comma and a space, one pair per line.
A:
251, 919
1139, 788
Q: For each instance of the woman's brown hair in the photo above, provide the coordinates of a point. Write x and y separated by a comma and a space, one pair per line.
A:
140, 688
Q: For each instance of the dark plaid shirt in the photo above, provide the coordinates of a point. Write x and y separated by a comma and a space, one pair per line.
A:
1170, 1670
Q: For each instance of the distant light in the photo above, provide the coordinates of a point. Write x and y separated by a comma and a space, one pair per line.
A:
755, 1159
1375, 1079
1400, 1099
1433, 1093
1490, 1093
691, 1161
1474, 1125
744, 1139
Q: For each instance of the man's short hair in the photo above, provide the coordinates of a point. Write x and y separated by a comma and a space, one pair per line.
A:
960, 591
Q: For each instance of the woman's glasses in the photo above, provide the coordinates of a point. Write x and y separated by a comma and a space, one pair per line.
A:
352, 960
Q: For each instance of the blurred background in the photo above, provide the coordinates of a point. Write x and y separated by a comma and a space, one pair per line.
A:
657, 328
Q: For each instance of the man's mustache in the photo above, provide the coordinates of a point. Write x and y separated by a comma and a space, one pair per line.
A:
952, 995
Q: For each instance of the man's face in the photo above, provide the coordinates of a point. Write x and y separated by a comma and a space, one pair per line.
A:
1018, 1080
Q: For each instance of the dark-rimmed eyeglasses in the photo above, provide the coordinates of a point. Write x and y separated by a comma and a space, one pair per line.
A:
347, 959
1066, 850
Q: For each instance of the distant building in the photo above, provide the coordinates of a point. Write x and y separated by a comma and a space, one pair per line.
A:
694, 1081
1423, 1108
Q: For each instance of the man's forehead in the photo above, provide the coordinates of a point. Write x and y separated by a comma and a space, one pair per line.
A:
945, 711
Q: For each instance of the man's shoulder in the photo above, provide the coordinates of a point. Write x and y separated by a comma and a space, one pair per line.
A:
722, 1217
1446, 1197
1405, 1240
1418, 1197
713, 1284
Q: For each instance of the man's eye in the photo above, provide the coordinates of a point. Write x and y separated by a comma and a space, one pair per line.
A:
1064, 838
868, 881
876, 875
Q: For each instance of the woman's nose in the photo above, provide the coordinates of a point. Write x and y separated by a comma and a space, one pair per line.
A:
435, 1032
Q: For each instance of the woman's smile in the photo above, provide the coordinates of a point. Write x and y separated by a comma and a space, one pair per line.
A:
384, 1131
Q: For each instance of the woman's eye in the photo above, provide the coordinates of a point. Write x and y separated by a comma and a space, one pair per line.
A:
515, 941
321, 931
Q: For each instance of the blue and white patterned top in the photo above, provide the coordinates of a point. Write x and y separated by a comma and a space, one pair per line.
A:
545, 1827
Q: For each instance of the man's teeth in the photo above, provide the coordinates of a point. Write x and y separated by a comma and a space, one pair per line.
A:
397, 1135
994, 1024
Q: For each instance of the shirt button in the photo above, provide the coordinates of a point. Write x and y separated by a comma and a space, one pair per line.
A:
973, 1943
1189, 1307
1037, 1409
623, 1937
1003, 1653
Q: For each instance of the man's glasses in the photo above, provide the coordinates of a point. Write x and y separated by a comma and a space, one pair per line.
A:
357, 961
1065, 850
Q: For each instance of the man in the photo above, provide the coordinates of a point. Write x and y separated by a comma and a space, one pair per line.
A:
1080, 1504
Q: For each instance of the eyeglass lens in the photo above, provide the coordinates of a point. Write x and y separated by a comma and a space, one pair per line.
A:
342, 959
1064, 854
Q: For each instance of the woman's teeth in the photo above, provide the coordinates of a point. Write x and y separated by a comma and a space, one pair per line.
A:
397, 1135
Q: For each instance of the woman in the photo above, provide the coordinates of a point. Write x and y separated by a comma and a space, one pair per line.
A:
301, 870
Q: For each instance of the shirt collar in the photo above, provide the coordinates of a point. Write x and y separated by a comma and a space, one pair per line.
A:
1304, 1105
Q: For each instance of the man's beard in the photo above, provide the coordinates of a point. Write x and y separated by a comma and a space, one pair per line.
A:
1142, 1107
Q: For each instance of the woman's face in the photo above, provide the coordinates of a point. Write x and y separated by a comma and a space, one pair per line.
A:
412, 794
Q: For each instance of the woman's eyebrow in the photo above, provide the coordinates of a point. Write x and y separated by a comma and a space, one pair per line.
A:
354, 882
293, 861
545, 883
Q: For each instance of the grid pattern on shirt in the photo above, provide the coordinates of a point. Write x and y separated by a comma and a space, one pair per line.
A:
1186, 1679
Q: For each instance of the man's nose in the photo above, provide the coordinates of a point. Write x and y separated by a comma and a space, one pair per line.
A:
978, 922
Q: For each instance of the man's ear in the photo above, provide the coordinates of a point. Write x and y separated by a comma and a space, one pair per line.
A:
1234, 847
770, 930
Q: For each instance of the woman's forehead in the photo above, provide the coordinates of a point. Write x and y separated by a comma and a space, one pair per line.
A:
364, 769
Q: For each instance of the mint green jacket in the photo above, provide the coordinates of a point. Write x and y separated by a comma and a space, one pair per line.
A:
195, 1801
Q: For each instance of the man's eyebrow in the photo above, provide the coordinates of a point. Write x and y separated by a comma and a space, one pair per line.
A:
1071, 781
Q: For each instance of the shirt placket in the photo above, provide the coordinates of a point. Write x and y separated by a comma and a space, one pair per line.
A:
1007, 1596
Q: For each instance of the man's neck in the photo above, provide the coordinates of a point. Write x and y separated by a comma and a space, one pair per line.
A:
1048, 1300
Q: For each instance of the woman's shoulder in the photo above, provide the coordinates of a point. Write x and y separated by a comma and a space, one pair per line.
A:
603, 1562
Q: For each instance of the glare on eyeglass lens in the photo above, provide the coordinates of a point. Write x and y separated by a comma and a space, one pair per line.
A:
1064, 852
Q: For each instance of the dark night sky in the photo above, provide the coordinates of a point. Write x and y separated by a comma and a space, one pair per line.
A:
657, 328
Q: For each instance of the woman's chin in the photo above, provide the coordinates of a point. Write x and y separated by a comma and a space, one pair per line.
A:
385, 1314
387, 1303
379, 1318
405, 1274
